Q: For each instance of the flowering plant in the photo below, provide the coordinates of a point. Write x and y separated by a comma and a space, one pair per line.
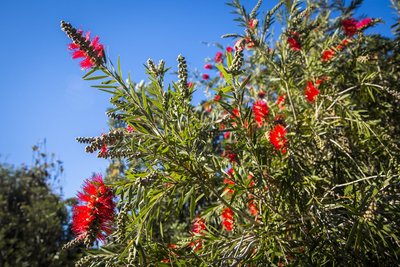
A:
294, 161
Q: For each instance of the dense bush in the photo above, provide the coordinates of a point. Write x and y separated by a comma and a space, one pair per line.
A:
294, 161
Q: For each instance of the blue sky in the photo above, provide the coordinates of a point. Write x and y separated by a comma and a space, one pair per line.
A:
42, 93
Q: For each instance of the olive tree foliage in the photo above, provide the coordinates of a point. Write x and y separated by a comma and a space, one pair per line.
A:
331, 197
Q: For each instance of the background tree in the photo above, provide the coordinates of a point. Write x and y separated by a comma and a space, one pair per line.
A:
33, 218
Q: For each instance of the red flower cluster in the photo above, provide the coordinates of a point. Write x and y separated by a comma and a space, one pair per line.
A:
93, 219
229, 183
311, 92
260, 110
351, 25
208, 66
252, 23
88, 60
281, 102
293, 41
253, 208
205, 76
198, 226
277, 137
229, 49
327, 55
218, 57
227, 219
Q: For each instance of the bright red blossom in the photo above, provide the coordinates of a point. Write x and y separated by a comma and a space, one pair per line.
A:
253, 208
88, 61
277, 137
229, 49
363, 23
327, 55
198, 226
208, 66
281, 102
293, 41
349, 26
96, 212
227, 219
260, 110
205, 76
218, 57
311, 92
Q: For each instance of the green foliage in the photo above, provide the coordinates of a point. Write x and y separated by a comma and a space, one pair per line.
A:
327, 195
33, 219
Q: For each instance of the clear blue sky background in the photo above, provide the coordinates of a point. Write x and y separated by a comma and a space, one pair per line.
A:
42, 94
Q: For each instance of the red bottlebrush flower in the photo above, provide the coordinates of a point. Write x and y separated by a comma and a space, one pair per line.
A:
189, 84
231, 156
294, 42
227, 135
277, 137
88, 60
196, 245
205, 76
103, 150
363, 23
253, 208
327, 55
235, 113
281, 102
251, 179
92, 220
229, 49
227, 219
230, 172
208, 66
130, 129
261, 94
240, 44
217, 98
230, 184
198, 226
218, 57
252, 23
249, 43
311, 92
260, 110
349, 26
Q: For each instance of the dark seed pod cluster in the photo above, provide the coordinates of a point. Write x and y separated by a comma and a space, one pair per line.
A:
97, 143
73, 243
237, 62
183, 76
152, 67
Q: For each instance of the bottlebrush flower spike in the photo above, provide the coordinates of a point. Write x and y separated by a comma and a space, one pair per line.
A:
198, 226
260, 110
92, 52
93, 218
293, 41
311, 92
363, 23
218, 57
208, 66
327, 55
277, 137
349, 26
227, 219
